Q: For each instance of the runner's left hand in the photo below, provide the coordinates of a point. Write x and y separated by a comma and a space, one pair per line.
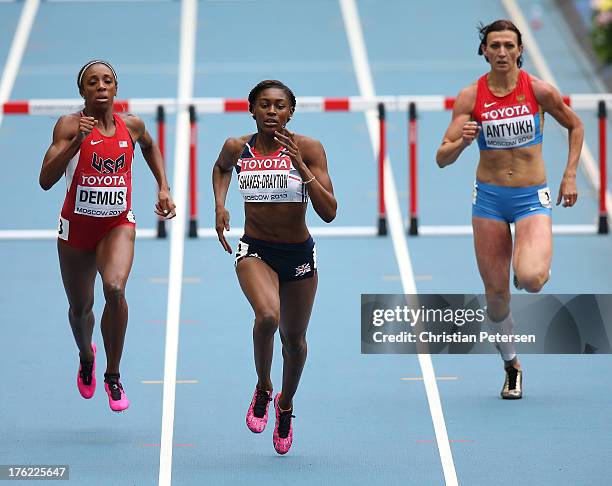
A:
165, 206
568, 194
287, 141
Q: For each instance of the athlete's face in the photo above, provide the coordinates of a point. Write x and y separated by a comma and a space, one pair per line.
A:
98, 86
502, 50
272, 110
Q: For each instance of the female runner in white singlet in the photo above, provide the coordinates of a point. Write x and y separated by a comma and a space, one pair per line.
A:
278, 171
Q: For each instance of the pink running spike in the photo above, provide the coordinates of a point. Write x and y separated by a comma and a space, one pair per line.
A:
119, 402
87, 391
282, 444
256, 420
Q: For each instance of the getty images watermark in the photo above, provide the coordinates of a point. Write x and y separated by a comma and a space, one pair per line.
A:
459, 324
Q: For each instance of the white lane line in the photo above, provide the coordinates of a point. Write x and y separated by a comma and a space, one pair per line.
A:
439, 378
363, 73
183, 321
186, 280
110, 1
397, 278
178, 382
189, 13
589, 166
20, 41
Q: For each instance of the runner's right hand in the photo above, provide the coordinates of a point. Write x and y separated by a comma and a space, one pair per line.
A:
469, 132
222, 218
86, 125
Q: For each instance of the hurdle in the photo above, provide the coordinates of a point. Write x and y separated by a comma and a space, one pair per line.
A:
412, 105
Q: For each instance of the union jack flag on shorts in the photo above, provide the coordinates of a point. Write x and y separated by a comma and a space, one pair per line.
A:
302, 270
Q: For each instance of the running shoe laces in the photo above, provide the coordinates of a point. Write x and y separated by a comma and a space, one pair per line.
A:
114, 386
86, 372
115, 389
117, 400
284, 423
261, 403
512, 375
513, 385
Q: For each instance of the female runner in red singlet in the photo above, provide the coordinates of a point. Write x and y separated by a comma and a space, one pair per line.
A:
94, 150
504, 111
278, 171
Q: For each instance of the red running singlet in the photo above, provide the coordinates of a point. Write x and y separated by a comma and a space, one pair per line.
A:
511, 121
99, 188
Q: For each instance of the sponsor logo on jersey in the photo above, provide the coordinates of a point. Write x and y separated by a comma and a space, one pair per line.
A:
281, 163
107, 166
122, 144
115, 180
506, 112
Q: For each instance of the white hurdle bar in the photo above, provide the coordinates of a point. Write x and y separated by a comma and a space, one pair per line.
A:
316, 231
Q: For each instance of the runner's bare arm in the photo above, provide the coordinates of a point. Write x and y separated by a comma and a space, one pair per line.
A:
221, 177
68, 134
461, 132
551, 101
320, 190
222, 169
150, 151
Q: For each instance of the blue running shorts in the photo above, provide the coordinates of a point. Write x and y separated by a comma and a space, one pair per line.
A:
509, 204
291, 261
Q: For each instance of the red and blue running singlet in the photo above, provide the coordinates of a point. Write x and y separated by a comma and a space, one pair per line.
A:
269, 178
511, 121
98, 187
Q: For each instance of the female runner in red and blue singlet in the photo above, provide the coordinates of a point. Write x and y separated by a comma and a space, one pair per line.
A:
94, 149
504, 110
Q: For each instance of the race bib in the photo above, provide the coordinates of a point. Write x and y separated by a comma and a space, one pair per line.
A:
100, 202
509, 132
474, 193
242, 250
63, 229
271, 179
264, 179
544, 197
